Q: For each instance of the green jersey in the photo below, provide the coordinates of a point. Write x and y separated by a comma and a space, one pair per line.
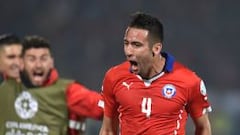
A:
35, 111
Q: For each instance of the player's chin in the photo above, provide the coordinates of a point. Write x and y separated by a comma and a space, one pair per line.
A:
15, 71
38, 80
37, 83
13, 74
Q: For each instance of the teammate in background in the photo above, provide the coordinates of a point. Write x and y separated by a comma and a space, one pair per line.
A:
45, 100
10, 55
151, 93
10, 66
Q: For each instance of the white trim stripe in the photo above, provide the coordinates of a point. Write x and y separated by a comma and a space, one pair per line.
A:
207, 110
178, 124
77, 125
101, 103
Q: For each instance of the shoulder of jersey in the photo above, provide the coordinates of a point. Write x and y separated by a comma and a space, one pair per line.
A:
184, 72
120, 69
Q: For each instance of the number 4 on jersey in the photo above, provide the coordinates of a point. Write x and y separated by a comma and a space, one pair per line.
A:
147, 106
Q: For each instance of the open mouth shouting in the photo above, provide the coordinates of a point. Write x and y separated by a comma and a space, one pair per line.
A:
134, 66
38, 77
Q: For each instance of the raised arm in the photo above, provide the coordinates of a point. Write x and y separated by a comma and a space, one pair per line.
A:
84, 102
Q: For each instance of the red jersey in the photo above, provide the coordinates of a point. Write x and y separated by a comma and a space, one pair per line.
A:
156, 106
82, 103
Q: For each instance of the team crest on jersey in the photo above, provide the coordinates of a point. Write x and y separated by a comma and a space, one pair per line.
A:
169, 91
26, 106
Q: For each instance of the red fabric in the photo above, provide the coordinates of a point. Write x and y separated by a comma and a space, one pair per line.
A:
81, 101
84, 102
53, 76
161, 107
74, 117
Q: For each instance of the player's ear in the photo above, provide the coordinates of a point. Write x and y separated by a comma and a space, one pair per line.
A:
157, 48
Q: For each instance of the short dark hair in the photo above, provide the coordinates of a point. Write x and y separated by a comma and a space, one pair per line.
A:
9, 39
150, 23
34, 41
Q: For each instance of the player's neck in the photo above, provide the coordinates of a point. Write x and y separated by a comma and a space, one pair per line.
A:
158, 65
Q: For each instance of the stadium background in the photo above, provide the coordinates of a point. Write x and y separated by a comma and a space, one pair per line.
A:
86, 36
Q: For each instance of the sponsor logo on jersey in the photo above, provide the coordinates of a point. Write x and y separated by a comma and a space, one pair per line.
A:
127, 85
169, 91
26, 106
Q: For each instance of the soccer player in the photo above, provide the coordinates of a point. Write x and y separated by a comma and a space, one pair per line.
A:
151, 93
10, 66
10, 56
41, 104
